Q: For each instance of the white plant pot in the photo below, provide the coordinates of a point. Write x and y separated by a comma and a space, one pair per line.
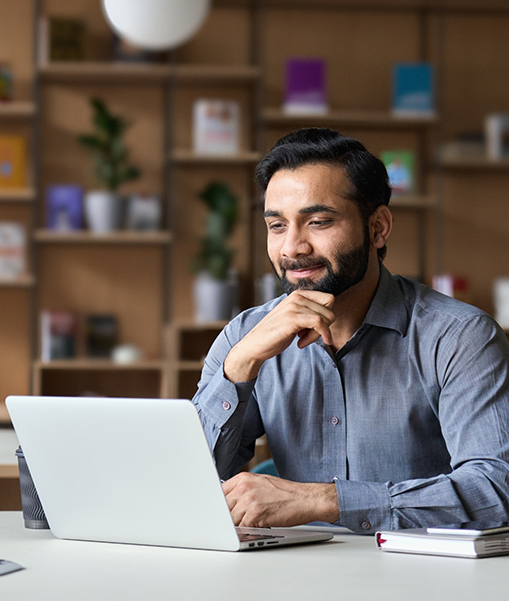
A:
213, 299
102, 211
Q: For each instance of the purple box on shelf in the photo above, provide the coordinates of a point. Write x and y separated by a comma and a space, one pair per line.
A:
305, 90
64, 207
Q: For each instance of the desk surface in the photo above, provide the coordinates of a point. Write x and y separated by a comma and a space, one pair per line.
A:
348, 567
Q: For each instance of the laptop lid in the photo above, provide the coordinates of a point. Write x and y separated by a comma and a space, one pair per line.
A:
124, 470
128, 470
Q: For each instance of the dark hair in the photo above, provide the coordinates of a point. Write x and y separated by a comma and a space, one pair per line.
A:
369, 183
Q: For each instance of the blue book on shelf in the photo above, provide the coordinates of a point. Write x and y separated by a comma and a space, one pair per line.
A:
413, 89
64, 207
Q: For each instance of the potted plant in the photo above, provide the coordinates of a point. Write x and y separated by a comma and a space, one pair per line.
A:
110, 156
215, 286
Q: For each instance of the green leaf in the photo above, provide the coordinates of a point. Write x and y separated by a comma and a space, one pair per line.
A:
109, 152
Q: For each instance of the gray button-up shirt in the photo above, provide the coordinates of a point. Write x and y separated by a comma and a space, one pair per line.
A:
410, 418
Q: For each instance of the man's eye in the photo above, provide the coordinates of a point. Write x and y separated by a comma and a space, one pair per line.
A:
275, 226
321, 222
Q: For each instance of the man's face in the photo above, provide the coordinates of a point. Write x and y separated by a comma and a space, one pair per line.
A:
316, 237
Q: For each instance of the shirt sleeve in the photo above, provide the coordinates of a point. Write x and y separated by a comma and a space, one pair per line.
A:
471, 366
228, 412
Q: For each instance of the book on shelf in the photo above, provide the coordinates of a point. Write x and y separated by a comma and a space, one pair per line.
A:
100, 335
471, 540
454, 286
496, 131
61, 39
13, 161
216, 127
413, 90
466, 145
501, 301
13, 243
5, 82
305, 86
58, 335
400, 165
64, 207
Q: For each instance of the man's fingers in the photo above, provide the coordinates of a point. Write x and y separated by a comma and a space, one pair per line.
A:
321, 298
308, 336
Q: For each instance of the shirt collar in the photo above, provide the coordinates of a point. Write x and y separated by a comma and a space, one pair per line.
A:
388, 308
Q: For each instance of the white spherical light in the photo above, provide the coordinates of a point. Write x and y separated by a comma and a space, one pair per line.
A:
156, 24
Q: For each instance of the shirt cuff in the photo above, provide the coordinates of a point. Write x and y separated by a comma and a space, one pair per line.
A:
224, 400
363, 506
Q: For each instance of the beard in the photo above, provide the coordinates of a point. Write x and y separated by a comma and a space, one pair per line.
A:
344, 271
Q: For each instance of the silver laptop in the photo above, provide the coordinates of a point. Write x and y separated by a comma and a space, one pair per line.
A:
131, 471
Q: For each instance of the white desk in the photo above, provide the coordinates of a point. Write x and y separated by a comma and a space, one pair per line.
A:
348, 567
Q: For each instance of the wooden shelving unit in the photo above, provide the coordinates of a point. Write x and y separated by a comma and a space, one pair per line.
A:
361, 119
101, 377
216, 74
86, 237
475, 164
25, 281
188, 343
14, 195
103, 72
17, 109
414, 202
109, 72
188, 157
148, 276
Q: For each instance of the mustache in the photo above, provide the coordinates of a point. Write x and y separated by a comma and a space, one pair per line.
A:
288, 264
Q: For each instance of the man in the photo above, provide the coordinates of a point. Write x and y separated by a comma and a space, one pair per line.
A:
385, 404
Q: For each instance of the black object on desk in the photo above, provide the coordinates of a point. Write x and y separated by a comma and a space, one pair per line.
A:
33, 513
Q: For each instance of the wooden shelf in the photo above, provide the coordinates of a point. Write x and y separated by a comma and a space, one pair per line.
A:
188, 157
216, 73
118, 72
17, 109
99, 364
185, 324
86, 237
104, 72
189, 365
103, 377
413, 202
24, 281
477, 164
188, 344
9, 471
371, 119
17, 195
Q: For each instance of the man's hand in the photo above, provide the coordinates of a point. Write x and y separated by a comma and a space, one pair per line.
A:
305, 313
262, 501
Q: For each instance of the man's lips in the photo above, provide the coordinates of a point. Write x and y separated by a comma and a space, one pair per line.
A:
305, 272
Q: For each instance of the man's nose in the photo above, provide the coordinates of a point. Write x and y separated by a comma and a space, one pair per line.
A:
296, 243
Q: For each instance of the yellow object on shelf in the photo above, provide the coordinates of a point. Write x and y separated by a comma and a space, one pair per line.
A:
12, 161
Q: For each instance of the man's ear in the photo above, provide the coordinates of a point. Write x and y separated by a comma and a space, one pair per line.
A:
380, 226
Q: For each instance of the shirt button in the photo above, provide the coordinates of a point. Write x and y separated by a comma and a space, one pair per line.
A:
366, 525
226, 405
335, 421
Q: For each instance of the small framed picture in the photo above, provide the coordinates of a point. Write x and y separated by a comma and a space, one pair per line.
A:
144, 213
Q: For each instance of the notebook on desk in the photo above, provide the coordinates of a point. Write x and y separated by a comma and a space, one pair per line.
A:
131, 471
